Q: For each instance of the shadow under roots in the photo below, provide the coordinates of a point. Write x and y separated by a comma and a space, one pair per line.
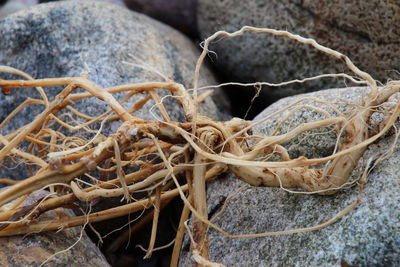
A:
122, 249
244, 103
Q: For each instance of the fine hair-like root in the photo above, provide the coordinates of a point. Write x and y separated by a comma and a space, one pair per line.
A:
168, 159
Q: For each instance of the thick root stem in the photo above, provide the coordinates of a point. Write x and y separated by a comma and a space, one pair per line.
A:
199, 148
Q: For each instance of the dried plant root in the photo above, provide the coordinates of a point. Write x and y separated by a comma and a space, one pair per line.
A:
151, 155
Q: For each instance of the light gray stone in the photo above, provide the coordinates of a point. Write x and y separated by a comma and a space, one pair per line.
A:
11, 7
368, 236
366, 31
68, 38
34, 249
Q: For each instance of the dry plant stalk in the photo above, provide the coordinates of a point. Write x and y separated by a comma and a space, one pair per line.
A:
196, 150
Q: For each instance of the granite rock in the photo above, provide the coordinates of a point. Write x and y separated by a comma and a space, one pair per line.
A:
366, 31
68, 38
368, 236
34, 249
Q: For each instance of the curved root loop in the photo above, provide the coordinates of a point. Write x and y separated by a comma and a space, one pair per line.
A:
166, 158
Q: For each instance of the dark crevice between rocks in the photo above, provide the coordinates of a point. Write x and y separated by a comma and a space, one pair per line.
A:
239, 97
128, 253
179, 14
217, 207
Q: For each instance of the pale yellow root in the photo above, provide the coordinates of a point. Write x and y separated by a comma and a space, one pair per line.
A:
200, 147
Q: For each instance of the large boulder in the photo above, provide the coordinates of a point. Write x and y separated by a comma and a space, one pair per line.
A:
366, 31
368, 236
116, 45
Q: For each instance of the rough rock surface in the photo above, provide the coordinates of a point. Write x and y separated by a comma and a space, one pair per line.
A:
70, 37
34, 249
366, 31
368, 236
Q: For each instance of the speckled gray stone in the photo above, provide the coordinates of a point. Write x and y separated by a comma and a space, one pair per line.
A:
366, 31
33, 249
68, 38
368, 236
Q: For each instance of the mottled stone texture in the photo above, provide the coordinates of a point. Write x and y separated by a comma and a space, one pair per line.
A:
368, 236
33, 249
366, 31
68, 38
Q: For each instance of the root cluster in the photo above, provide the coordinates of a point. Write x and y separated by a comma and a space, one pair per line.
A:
166, 158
